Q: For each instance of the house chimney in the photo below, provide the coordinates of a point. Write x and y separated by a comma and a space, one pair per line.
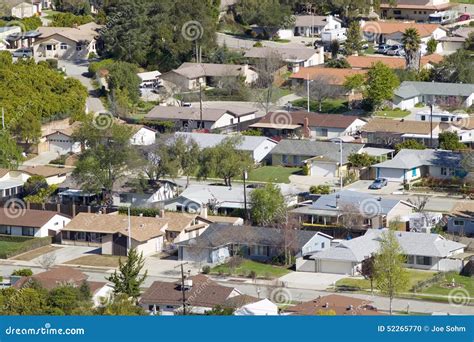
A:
306, 131
204, 211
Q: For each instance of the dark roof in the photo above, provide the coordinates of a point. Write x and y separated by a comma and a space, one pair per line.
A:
56, 277
314, 119
204, 293
221, 235
26, 217
327, 150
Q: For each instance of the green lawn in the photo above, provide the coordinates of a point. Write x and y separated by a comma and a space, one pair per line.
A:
364, 285
262, 270
273, 174
394, 114
466, 282
331, 106
8, 247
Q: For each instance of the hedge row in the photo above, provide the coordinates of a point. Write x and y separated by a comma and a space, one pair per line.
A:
25, 245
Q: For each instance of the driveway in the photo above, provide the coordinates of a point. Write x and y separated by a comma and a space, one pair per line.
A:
168, 268
306, 182
363, 186
311, 281
41, 159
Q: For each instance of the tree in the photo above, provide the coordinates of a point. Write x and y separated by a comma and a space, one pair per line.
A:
160, 161
334, 48
431, 46
224, 160
354, 82
123, 76
320, 189
380, 85
119, 305
10, 152
321, 88
24, 301
267, 69
458, 67
354, 38
411, 44
409, 144
390, 275
186, 152
70, 20
340, 63
66, 298
469, 42
361, 159
367, 271
220, 311
23, 272
109, 156
47, 261
268, 205
128, 279
450, 141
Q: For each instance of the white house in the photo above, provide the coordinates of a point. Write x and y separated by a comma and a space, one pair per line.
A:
311, 25
11, 183
257, 147
410, 93
424, 251
409, 165
26, 10
32, 223
142, 135
125, 194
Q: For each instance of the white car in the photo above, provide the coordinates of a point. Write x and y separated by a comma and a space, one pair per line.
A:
23, 53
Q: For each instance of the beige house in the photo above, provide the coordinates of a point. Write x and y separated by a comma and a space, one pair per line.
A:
183, 226
67, 42
111, 233
26, 10
413, 9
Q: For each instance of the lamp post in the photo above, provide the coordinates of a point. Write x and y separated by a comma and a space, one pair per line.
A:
340, 163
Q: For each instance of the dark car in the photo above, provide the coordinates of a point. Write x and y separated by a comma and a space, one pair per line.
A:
379, 183
382, 49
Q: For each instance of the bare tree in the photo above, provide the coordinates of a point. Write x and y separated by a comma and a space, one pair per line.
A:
267, 69
320, 88
47, 261
351, 216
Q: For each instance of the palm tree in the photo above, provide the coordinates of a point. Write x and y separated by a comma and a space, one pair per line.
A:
411, 44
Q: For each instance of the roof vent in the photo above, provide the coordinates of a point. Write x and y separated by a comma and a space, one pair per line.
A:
379, 199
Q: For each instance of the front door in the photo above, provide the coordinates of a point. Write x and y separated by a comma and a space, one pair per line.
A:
119, 245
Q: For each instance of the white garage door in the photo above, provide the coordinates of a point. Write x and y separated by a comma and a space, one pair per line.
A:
337, 267
392, 175
323, 170
59, 147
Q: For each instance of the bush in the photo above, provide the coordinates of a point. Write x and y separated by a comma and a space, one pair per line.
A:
258, 44
206, 269
320, 189
419, 105
24, 272
27, 244
252, 274
306, 170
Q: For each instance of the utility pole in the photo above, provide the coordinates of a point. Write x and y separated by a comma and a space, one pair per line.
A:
431, 124
307, 90
245, 196
201, 125
183, 290
129, 244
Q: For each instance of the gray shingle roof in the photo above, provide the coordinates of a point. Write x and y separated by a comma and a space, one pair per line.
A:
409, 159
287, 54
204, 140
195, 70
190, 113
327, 149
409, 89
421, 244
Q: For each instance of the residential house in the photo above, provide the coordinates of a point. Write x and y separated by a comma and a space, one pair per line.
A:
456, 39
26, 9
409, 165
424, 251
61, 140
142, 135
189, 118
257, 147
129, 192
410, 93
257, 307
11, 183
183, 226
190, 76
360, 210
295, 58
62, 276
19, 221
53, 175
8, 31
69, 43
322, 157
334, 304
310, 125
388, 132
19, 39
312, 25
201, 294
219, 242
418, 10
461, 219
112, 234
391, 32
331, 77
367, 61
222, 199
438, 115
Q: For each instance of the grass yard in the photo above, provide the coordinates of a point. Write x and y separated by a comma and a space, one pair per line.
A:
467, 284
364, 285
261, 270
28, 256
331, 106
393, 114
97, 260
273, 174
8, 247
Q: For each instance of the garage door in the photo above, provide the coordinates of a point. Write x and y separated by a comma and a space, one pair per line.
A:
323, 170
337, 267
392, 175
59, 147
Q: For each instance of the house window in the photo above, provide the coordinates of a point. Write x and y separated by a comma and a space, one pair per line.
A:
410, 259
324, 132
322, 245
49, 47
458, 222
78, 47
423, 118
397, 12
27, 231
423, 260
63, 46
447, 171
123, 198
6, 230
260, 250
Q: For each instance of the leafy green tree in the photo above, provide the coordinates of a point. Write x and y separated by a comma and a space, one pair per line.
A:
380, 85
23, 272
34, 184
268, 206
409, 144
159, 161
224, 161
25, 301
361, 160
340, 63
458, 67
70, 20
64, 298
354, 82
450, 141
42, 195
431, 46
411, 44
123, 76
186, 152
320, 189
10, 152
252, 132
354, 38
390, 275
128, 279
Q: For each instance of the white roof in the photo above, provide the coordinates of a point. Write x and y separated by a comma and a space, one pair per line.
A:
261, 308
8, 184
149, 75
205, 140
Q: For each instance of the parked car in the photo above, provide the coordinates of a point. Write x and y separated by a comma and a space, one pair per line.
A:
379, 183
463, 17
396, 50
383, 48
23, 53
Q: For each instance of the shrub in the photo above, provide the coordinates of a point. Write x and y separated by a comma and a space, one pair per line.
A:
252, 274
23, 272
320, 189
206, 269
419, 105
258, 44
306, 170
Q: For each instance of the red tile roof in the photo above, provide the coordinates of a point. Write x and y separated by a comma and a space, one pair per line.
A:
314, 119
333, 76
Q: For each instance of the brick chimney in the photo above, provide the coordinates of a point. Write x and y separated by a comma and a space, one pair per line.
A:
306, 130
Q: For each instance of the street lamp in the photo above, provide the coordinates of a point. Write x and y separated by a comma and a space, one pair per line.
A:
340, 163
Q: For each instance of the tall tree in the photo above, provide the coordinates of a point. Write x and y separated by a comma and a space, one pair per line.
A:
10, 152
450, 141
391, 277
128, 279
268, 206
380, 85
119, 305
411, 44
123, 76
458, 67
353, 42
186, 152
